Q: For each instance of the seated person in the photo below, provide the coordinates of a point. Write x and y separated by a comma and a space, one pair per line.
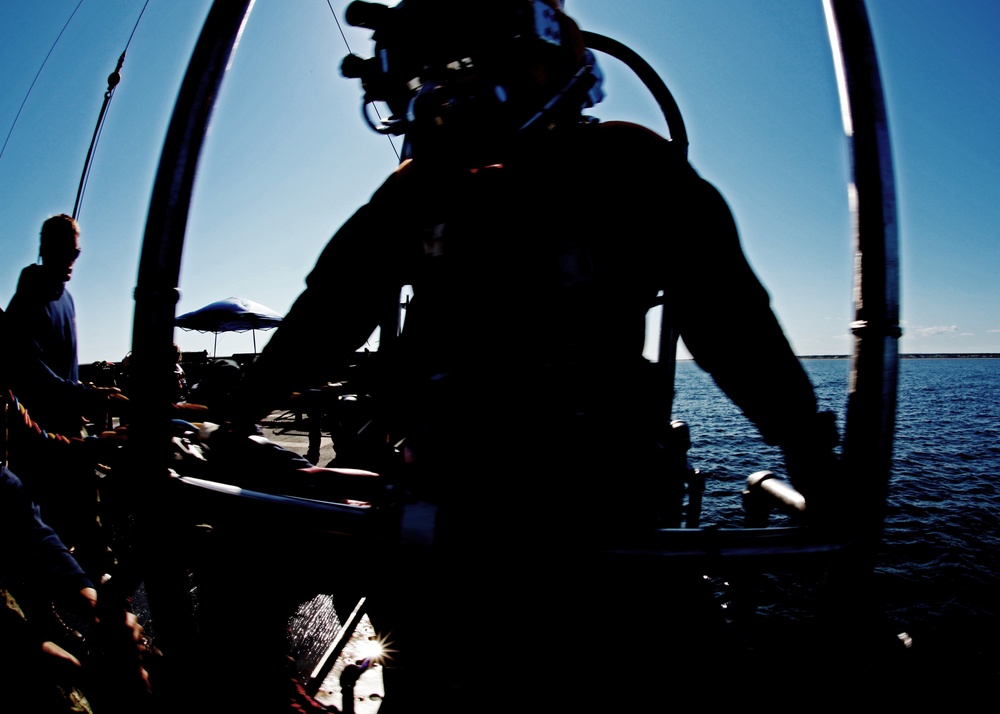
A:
38, 571
218, 379
256, 463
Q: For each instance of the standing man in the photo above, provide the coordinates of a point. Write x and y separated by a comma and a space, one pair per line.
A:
42, 369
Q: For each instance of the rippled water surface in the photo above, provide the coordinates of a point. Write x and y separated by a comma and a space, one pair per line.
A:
939, 569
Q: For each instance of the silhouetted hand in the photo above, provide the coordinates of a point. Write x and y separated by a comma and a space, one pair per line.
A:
813, 466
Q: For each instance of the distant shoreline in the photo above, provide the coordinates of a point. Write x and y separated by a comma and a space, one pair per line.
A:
921, 355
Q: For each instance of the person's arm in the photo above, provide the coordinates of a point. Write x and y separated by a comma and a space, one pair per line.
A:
726, 321
32, 546
339, 309
35, 551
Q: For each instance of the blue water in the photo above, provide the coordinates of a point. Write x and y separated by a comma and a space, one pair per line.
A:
938, 574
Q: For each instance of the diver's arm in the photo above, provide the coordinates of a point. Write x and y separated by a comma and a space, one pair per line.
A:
339, 309
726, 321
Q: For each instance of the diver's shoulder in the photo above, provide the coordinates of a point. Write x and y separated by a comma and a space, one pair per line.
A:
629, 146
627, 130
625, 138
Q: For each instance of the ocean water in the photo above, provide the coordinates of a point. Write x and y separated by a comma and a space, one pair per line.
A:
938, 572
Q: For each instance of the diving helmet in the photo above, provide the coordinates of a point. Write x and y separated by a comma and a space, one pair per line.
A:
462, 77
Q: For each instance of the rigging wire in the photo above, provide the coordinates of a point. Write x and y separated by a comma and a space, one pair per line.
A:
136, 26
350, 51
37, 74
113, 79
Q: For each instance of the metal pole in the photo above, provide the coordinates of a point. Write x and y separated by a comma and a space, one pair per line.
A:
113, 79
871, 405
664, 99
158, 558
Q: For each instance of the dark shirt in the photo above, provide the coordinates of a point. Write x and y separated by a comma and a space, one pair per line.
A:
42, 351
32, 551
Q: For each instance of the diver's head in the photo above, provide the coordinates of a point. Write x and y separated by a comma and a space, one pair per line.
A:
461, 78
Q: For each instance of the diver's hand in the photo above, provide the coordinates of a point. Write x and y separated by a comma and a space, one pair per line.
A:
813, 465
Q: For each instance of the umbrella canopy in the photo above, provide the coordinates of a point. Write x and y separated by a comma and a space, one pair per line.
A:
233, 314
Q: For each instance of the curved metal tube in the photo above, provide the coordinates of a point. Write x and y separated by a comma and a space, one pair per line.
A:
156, 559
649, 77
156, 292
871, 404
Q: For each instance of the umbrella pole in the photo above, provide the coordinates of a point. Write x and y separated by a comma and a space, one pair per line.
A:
215, 345
254, 333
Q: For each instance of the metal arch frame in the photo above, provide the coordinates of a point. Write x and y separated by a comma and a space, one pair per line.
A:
872, 395
156, 559
653, 82
871, 401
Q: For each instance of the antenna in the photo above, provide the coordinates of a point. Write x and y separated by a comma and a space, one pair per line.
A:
113, 79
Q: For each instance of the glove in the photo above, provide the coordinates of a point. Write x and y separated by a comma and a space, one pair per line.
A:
813, 465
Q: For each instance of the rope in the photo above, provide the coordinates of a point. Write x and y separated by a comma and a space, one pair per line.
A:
24, 419
135, 27
16, 116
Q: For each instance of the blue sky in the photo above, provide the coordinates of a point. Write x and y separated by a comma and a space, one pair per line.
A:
289, 158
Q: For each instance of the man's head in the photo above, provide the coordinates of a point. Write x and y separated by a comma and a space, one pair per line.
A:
467, 76
60, 245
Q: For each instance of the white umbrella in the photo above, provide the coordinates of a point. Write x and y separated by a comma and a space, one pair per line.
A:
233, 314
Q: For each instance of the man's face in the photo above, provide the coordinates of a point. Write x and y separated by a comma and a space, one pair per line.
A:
60, 257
